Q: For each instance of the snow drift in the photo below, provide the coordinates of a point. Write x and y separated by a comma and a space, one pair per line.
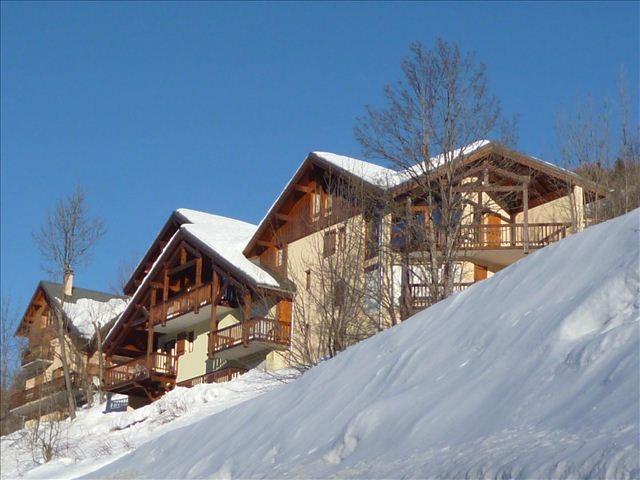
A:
532, 373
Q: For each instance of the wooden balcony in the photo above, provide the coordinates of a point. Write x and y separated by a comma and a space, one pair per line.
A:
191, 300
249, 337
40, 352
512, 235
420, 297
218, 376
36, 360
25, 401
138, 372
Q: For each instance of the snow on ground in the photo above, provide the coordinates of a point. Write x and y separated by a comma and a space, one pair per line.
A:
86, 311
96, 438
532, 373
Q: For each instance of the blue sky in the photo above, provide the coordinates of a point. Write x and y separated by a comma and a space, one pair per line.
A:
212, 106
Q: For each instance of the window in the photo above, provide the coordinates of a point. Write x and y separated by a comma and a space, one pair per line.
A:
398, 240
372, 237
281, 257
316, 201
339, 291
307, 279
342, 238
329, 244
328, 204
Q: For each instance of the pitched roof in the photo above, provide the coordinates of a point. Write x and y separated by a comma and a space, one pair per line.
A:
84, 307
385, 178
223, 239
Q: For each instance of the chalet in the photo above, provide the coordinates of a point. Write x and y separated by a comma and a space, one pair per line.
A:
514, 204
200, 311
41, 374
214, 297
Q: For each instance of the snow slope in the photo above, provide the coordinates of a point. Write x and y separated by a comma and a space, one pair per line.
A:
532, 373
96, 438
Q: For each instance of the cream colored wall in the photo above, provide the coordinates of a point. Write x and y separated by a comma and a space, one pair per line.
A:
306, 254
48, 374
194, 363
560, 210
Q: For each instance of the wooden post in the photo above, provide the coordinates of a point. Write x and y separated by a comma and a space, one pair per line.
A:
512, 228
165, 294
484, 232
246, 317
150, 329
525, 217
198, 271
213, 319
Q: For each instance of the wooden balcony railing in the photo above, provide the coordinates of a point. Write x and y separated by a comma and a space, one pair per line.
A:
190, 300
218, 376
39, 392
512, 235
40, 352
420, 293
258, 329
162, 364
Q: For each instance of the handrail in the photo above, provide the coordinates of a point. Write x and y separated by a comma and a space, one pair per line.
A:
510, 235
139, 369
41, 391
40, 352
258, 328
225, 374
419, 292
191, 299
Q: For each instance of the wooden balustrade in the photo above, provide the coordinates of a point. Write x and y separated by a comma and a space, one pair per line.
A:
161, 364
218, 376
420, 292
258, 329
192, 299
41, 391
511, 235
40, 352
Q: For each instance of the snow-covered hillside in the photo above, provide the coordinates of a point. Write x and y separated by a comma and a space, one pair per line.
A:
533, 373
96, 438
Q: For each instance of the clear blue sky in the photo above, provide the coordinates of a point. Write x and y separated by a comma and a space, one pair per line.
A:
212, 106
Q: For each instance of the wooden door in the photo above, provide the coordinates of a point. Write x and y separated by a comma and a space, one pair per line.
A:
479, 273
494, 232
284, 310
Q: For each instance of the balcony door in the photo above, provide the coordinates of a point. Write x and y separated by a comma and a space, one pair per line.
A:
493, 230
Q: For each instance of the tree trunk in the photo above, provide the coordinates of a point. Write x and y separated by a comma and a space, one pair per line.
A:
71, 402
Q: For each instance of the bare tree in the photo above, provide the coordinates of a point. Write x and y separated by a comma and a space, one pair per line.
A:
442, 103
333, 307
600, 142
10, 348
65, 241
123, 273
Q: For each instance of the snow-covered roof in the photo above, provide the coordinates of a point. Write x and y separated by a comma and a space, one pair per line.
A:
86, 307
384, 177
223, 237
227, 237
85, 313
370, 172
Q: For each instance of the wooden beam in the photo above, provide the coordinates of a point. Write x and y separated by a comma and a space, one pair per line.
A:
183, 266
284, 217
264, 243
302, 188
489, 188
